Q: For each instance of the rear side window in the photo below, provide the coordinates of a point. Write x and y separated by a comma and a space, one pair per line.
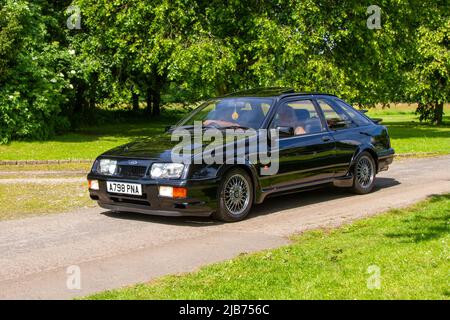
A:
336, 119
355, 115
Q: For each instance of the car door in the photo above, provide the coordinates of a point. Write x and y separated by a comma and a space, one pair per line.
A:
344, 131
306, 155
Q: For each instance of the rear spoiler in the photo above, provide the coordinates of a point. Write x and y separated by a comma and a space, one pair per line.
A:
376, 120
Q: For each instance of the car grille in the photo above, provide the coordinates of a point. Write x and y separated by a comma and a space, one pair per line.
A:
140, 202
131, 171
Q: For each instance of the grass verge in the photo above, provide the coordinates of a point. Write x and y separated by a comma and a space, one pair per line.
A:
22, 200
408, 135
54, 167
409, 247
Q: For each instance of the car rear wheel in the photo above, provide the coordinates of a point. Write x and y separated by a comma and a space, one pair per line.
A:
235, 196
364, 173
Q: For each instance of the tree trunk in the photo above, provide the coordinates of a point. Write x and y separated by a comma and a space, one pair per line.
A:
156, 103
135, 98
221, 89
438, 113
92, 101
149, 101
92, 96
80, 99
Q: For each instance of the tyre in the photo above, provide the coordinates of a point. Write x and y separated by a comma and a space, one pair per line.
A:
235, 196
364, 172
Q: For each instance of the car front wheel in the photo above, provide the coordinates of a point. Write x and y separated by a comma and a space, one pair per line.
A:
364, 174
235, 196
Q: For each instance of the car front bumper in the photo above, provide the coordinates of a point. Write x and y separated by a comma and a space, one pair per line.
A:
201, 197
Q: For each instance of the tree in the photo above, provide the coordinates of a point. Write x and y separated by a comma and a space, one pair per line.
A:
330, 48
129, 51
211, 47
33, 84
429, 71
139, 38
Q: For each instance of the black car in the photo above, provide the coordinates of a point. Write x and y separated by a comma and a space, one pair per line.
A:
318, 140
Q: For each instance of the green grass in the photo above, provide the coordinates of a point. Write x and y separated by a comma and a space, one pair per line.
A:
414, 137
56, 167
409, 246
23, 200
408, 136
86, 143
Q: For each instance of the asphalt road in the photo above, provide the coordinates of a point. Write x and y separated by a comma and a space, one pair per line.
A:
114, 250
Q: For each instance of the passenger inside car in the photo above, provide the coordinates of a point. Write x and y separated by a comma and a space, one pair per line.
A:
287, 118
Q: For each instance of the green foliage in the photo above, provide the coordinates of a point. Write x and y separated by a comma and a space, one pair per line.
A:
207, 48
132, 51
33, 82
429, 77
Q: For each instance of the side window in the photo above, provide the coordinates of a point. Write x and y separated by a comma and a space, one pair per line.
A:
357, 117
300, 115
336, 119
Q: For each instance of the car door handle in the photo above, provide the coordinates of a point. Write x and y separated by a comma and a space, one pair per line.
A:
326, 138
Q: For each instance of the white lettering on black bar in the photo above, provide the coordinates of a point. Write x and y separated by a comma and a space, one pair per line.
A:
124, 188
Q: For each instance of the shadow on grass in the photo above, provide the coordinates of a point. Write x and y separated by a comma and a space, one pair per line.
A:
130, 129
424, 226
401, 130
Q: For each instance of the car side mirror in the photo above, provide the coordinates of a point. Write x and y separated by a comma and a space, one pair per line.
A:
285, 131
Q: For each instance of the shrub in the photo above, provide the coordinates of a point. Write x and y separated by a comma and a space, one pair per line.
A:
33, 88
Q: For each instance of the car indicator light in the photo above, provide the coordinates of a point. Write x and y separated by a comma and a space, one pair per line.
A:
93, 184
179, 192
172, 192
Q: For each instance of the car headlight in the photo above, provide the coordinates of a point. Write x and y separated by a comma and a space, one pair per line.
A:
107, 166
166, 170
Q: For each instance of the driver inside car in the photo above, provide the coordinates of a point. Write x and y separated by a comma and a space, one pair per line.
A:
221, 117
288, 118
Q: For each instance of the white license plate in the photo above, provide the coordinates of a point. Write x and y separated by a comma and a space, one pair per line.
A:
124, 188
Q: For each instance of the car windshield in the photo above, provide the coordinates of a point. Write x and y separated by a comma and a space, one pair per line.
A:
230, 112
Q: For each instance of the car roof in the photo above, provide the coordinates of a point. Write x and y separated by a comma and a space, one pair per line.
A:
271, 92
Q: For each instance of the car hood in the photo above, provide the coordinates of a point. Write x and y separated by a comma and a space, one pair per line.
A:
158, 147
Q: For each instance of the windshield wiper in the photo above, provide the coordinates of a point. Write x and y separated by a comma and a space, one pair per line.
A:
191, 126
235, 127
188, 127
